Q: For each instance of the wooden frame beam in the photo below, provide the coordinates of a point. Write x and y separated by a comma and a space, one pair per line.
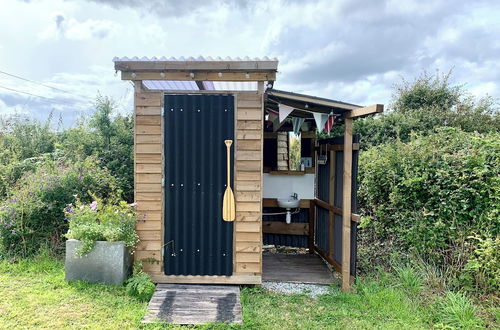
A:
311, 100
221, 65
346, 206
199, 76
360, 112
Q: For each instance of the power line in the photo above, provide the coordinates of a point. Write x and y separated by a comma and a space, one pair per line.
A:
22, 92
41, 84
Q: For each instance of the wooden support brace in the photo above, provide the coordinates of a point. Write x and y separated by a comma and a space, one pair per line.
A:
360, 112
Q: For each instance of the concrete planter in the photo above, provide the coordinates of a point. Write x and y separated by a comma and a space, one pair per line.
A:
108, 263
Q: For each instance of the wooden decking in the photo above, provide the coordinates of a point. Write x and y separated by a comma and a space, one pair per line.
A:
295, 268
194, 304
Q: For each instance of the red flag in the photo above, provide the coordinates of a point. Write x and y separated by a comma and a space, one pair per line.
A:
329, 124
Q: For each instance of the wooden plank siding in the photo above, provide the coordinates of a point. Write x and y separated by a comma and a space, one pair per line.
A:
148, 164
248, 184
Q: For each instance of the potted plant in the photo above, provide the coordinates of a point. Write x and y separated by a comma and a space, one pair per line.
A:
101, 238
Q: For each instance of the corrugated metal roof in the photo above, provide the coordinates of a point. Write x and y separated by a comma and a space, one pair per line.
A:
183, 59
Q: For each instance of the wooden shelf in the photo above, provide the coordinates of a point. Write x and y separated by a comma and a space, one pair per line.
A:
309, 170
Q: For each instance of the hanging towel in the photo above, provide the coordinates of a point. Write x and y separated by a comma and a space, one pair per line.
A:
320, 119
329, 123
297, 122
285, 110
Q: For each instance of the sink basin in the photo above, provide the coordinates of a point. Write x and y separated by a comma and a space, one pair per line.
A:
289, 202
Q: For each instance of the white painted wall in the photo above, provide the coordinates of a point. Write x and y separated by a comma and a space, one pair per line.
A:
278, 186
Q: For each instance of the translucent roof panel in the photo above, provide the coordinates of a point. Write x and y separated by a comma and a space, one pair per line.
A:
190, 85
180, 85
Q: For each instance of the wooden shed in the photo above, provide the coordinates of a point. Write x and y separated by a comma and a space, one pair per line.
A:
185, 110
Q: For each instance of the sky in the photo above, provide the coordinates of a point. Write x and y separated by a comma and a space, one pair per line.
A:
350, 50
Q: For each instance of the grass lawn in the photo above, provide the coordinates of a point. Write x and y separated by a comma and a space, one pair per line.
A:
33, 294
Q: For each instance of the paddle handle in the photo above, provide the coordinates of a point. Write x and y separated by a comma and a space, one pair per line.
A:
228, 146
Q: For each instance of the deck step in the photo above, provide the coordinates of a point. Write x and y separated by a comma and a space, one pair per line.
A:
194, 304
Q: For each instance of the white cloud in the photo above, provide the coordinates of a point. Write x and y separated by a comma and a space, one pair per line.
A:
72, 29
349, 50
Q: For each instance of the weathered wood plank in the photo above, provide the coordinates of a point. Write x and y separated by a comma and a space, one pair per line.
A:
147, 111
241, 186
252, 145
307, 268
248, 165
148, 168
148, 178
148, 120
148, 158
249, 206
148, 225
144, 245
249, 114
249, 124
148, 187
246, 196
248, 216
248, 155
148, 129
248, 226
248, 176
276, 227
195, 305
248, 257
149, 235
140, 138
247, 247
149, 205
148, 148
248, 267
248, 237
147, 99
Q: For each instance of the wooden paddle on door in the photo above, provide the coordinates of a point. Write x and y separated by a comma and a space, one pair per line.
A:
228, 205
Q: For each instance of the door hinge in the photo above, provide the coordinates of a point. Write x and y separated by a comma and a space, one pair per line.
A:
163, 111
163, 182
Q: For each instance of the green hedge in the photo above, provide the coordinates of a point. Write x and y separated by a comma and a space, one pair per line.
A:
32, 215
436, 196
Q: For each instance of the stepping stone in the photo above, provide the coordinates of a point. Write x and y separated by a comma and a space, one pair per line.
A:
194, 304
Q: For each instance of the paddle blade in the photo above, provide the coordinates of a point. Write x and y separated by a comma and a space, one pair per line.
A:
228, 206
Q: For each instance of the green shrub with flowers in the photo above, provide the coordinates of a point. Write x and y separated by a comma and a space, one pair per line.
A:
32, 217
99, 221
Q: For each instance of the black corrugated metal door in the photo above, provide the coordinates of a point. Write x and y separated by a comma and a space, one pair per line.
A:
197, 240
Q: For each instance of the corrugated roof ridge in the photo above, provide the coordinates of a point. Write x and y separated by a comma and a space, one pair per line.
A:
191, 58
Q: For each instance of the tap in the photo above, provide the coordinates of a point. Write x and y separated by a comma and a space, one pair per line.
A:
294, 195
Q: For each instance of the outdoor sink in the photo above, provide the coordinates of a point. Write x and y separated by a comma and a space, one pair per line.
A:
291, 202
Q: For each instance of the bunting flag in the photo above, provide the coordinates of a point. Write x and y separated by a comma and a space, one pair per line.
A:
297, 123
329, 123
320, 119
285, 110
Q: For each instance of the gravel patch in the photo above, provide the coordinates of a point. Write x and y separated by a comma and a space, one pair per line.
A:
312, 290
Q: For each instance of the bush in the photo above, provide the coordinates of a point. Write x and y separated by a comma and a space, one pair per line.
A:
429, 196
23, 144
423, 106
101, 222
140, 285
108, 137
32, 215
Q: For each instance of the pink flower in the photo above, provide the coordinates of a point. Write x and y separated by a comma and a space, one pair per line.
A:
134, 204
81, 207
93, 206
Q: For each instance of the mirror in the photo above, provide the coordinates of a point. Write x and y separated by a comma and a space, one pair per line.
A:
295, 152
